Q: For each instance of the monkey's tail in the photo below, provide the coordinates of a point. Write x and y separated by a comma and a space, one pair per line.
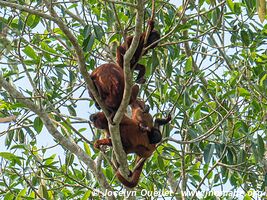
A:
134, 176
159, 122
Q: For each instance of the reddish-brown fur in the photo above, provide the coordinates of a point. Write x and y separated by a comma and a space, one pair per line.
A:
134, 138
109, 82
121, 50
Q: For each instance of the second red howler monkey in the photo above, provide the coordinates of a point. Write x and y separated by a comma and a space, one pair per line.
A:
121, 50
138, 135
109, 82
109, 78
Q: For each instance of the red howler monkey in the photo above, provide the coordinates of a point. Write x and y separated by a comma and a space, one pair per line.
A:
109, 82
121, 50
154, 137
109, 78
134, 136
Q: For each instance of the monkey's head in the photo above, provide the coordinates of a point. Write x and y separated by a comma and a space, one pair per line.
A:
99, 120
140, 113
154, 136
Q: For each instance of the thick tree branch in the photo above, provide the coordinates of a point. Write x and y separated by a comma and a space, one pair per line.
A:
127, 58
7, 119
27, 9
65, 142
79, 52
114, 128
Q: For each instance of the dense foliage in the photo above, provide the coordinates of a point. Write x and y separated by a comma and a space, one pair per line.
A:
209, 71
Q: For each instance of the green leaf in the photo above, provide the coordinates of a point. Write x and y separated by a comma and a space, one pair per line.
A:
50, 160
208, 152
261, 147
33, 21
109, 173
18, 146
216, 19
71, 110
11, 157
69, 159
263, 79
88, 43
237, 8
87, 31
42, 190
123, 17
30, 52
38, 124
45, 47
99, 32
114, 38
82, 129
241, 156
251, 7
155, 60
161, 163
21, 194
169, 68
245, 38
36, 21
86, 195
255, 152
9, 138
247, 197
187, 99
188, 65
87, 148
9, 196
230, 5
32, 195
21, 136
230, 156
243, 92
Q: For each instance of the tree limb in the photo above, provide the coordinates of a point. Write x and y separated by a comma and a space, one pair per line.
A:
65, 142
114, 128
7, 119
27, 9
79, 54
